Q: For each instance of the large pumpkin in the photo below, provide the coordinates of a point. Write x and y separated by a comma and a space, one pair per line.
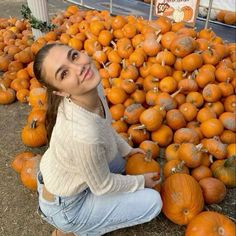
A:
210, 223
182, 198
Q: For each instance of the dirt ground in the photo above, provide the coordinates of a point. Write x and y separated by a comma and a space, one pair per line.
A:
18, 216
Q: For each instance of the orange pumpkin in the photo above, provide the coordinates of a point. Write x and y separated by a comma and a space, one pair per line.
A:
171, 152
19, 160
151, 146
173, 167
140, 164
182, 198
201, 172
34, 134
29, 172
225, 170
214, 190
210, 223
212, 127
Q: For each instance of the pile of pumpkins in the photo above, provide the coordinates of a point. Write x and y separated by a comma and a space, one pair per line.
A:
170, 90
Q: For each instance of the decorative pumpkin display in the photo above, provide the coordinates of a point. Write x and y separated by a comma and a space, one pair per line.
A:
182, 198
169, 88
214, 190
210, 223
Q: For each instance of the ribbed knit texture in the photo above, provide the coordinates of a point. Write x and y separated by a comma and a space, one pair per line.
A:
81, 146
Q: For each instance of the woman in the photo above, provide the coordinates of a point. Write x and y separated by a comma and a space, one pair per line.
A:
81, 187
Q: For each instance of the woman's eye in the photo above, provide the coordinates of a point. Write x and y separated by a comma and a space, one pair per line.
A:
75, 55
64, 74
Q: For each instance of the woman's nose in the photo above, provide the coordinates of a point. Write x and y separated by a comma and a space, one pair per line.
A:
78, 68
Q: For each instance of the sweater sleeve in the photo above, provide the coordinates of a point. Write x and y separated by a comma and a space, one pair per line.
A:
123, 147
92, 165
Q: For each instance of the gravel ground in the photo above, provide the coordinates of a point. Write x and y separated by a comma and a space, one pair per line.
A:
18, 205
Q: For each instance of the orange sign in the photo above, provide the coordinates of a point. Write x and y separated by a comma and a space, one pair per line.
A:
178, 10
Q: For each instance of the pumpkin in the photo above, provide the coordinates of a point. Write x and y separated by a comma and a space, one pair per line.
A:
210, 223
120, 126
37, 97
132, 113
148, 145
228, 120
225, 170
22, 95
138, 135
230, 103
191, 154
163, 136
34, 134
231, 150
7, 95
182, 198
204, 77
195, 98
228, 137
173, 167
211, 93
151, 119
192, 62
215, 147
188, 110
117, 111
168, 84
216, 107
151, 96
171, 152
187, 85
19, 160
150, 82
138, 164
201, 172
116, 95
212, 127
186, 135
175, 119
29, 172
214, 190
204, 114
182, 46
139, 96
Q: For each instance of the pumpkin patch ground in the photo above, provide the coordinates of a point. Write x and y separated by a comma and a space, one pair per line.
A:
18, 204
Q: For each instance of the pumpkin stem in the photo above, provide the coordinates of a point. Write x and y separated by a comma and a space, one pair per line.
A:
114, 45
163, 63
159, 37
148, 156
178, 167
185, 73
3, 87
199, 146
211, 158
175, 93
123, 64
139, 127
33, 124
155, 79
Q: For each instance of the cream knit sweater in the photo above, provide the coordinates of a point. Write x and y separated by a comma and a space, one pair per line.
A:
81, 146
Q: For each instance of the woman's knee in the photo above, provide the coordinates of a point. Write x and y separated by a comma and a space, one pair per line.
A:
156, 202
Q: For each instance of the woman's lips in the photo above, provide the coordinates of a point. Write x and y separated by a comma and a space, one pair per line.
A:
88, 74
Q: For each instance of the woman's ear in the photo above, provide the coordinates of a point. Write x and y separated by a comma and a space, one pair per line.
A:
61, 94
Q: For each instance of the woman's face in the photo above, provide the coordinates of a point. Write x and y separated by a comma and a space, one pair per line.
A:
70, 71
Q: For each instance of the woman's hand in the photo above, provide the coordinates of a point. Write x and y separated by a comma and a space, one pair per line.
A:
134, 151
149, 179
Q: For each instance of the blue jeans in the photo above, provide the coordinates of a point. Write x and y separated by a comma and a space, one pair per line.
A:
88, 214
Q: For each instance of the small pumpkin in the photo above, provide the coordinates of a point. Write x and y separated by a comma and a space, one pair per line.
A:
225, 170
163, 136
7, 95
214, 190
151, 146
34, 134
201, 172
171, 152
212, 127
173, 167
29, 172
19, 160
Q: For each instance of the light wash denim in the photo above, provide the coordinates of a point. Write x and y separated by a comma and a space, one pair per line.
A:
88, 214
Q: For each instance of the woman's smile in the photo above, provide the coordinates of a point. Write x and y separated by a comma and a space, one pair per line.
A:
87, 74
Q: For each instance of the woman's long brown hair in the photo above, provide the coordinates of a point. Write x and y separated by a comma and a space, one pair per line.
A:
53, 101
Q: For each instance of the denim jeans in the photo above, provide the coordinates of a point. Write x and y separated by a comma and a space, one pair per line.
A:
88, 214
